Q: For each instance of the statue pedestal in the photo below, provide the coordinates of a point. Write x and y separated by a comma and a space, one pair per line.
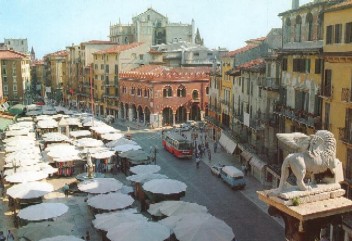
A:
304, 222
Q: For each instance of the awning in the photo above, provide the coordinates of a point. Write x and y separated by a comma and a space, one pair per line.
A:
228, 144
257, 163
246, 155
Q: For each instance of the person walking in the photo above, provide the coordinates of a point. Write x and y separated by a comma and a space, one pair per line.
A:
209, 155
2, 236
197, 160
215, 146
9, 236
66, 188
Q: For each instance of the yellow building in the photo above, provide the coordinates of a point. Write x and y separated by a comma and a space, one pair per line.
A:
336, 88
56, 74
107, 64
38, 76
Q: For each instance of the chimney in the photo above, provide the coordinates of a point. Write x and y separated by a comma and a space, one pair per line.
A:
295, 4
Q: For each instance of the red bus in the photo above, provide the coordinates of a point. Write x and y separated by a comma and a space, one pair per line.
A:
177, 144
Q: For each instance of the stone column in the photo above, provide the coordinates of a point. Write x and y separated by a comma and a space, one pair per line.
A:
137, 116
130, 114
144, 118
187, 116
173, 119
124, 112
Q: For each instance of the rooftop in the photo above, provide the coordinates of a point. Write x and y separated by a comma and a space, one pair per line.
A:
340, 6
241, 50
10, 54
118, 48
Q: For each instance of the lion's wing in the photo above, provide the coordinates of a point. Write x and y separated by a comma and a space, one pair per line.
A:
296, 141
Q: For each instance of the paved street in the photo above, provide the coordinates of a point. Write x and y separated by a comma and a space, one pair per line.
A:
240, 209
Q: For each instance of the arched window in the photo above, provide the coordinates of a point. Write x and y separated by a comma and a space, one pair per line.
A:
139, 92
124, 89
181, 91
167, 91
207, 90
287, 37
133, 90
195, 94
298, 29
309, 24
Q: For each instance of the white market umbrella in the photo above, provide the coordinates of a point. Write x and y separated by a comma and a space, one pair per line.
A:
173, 208
112, 136
12, 171
43, 211
47, 124
110, 201
29, 190
21, 143
139, 231
27, 176
80, 133
20, 148
107, 221
127, 147
12, 162
104, 129
23, 154
54, 137
89, 142
23, 132
63, 238
164, 186
202, 227
89, 122
100, 185
45, 229
29, 125
17, 138
102, 154
145, 169
142, 178
120, 141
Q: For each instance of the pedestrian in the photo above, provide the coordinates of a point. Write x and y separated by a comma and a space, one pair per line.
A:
197, 161
209, 155
215, 146
66, 188
87, 236
206, 144
9, 236
2, 236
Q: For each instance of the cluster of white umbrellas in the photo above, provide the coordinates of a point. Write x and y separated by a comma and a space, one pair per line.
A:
100, 185
123, 145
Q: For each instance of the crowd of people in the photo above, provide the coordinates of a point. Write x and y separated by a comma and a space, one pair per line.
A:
9, 236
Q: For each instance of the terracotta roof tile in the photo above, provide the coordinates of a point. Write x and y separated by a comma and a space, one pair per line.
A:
346, 4
256, 63
59, 53
118, 48
10, 54
241, 50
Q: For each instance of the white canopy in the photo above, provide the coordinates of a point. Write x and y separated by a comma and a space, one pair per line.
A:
80, 133
28, 176
43, 211
110, 201
89, 142
120, 141
104, 129
100, 185
103, 154
112, 136
47, 124
54, 137
45, 229
142, 178
16, 138
145, 169
202, 227
172, 208
127, 147
107, 221
30, 190
139, 231
62, 238
164, 186
22, 132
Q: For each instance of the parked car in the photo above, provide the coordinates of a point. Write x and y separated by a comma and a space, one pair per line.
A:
215, 169
233, 176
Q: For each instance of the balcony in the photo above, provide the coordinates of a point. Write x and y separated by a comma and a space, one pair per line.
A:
269, 83
345, 135
300, 116
346, 95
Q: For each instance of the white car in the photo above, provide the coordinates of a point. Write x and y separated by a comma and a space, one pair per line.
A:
215, 169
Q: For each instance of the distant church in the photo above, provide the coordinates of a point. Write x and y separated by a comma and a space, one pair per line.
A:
154, 28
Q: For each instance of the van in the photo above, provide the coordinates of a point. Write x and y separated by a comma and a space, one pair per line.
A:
233, 176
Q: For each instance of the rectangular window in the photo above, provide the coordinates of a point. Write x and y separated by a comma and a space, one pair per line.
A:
107, 68
348, 33
317, 66
327, 83
95, 66
116, 69
327, 117
307, 66
14, 88
141, 56
6, 88
284, 64
329, 34
338, 33
101, 66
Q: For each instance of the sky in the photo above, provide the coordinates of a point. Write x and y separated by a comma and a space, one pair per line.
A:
52, 25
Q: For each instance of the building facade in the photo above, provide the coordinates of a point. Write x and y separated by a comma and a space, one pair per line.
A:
152, 28
14, 75
159, 96
18, 45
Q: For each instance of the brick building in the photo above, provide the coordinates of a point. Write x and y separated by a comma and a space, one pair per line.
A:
159, 95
